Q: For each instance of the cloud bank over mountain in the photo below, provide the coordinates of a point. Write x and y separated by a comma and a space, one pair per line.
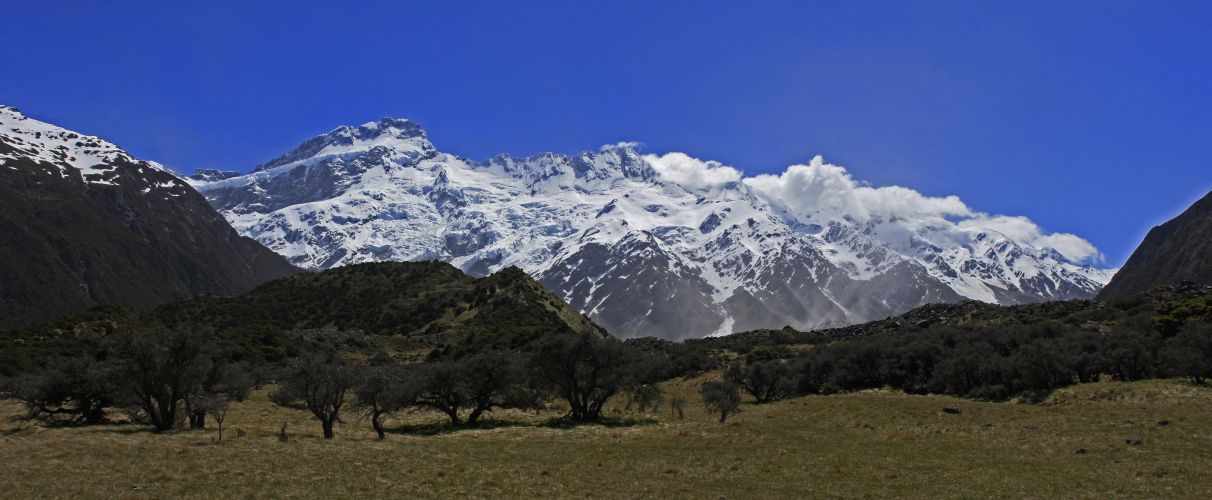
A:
818, 192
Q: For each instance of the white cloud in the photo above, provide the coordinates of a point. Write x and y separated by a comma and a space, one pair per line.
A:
690, 172
819, 192
621, 145
1024, 231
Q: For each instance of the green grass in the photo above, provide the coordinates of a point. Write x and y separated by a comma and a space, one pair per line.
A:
869, 444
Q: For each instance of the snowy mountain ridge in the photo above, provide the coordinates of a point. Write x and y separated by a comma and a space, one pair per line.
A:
666, 245
94, 158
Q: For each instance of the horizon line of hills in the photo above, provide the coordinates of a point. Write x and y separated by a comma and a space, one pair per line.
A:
88, 225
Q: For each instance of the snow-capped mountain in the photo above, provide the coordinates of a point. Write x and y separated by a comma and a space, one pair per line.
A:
84, 223
669, 246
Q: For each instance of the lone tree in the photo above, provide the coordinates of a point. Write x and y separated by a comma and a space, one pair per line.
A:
158, 367
722, 397
586, 371
382, 390
320, 382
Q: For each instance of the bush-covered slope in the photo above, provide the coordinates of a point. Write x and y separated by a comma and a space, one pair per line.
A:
430, 304
428, 299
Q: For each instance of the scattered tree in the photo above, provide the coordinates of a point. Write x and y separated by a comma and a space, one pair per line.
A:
765, 380
476, 384
645, 397
722, 397
157, 368
382, 390
75, 391
586, 371
224, 381
677, 406
214, 404
1189, 352
495, 379
320, 382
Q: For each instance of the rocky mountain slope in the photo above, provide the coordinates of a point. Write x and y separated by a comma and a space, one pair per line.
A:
667, 246
85, 224
1179, 250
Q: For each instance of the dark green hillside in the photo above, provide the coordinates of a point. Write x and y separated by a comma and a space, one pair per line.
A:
429, 304
1179, 250
431, 300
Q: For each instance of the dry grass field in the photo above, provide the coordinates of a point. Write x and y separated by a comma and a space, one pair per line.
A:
869, 444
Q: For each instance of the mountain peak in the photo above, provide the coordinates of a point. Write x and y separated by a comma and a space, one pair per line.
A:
399, 128
392, 133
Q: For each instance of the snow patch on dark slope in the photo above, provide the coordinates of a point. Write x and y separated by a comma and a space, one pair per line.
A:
670, 245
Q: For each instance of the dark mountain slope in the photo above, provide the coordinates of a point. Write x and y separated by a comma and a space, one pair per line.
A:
1179, 250
84, 224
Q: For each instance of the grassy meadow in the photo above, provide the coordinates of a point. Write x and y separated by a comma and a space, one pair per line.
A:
866, 444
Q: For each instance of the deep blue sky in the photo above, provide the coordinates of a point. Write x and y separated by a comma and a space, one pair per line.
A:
1088, 117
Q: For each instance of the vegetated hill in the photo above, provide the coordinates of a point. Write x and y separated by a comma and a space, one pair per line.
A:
642, 250
86, 224
432, 302
425, 304
1179, 250
1087, 315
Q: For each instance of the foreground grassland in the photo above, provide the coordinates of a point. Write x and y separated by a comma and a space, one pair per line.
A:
870, 444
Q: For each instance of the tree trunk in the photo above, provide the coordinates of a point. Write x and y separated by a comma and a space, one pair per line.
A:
474, 417
327, 423
94, 414
197, 420
454, 417
723, 415
376, 421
